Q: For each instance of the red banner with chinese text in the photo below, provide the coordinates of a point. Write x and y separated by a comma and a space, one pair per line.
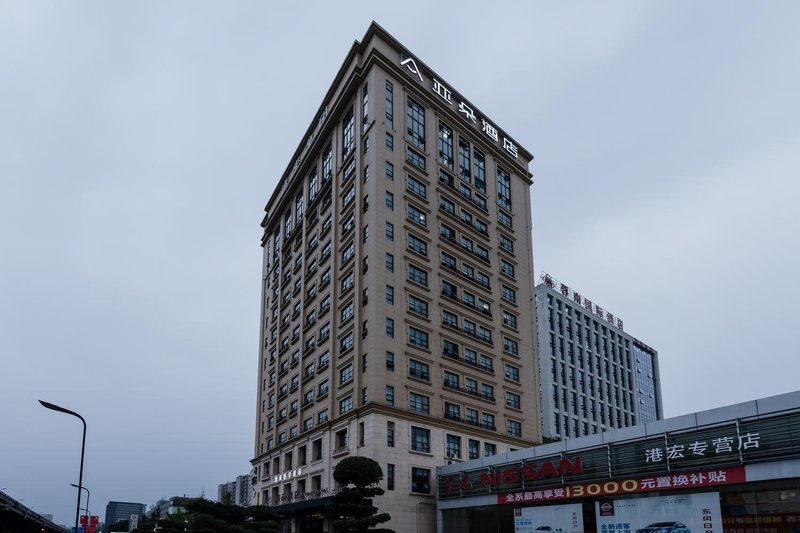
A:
683, 480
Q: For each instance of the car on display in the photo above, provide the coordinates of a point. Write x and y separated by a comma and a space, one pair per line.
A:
664, 527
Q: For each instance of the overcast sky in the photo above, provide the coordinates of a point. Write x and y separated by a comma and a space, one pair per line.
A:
140, 141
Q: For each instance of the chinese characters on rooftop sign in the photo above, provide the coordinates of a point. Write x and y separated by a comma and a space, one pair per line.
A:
700, 448
581, 300
468, 113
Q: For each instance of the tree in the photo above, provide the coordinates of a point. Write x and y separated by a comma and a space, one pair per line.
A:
352, 505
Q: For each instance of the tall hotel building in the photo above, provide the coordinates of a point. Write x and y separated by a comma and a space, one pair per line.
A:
594, 376
397, 293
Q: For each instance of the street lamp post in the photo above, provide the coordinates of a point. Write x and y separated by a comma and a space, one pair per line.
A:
88, 494
54, 407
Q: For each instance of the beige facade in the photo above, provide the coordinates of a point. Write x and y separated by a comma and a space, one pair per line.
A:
397, 293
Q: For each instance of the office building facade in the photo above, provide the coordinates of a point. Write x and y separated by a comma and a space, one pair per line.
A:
397, 293
594, 376
117, 511
238, 492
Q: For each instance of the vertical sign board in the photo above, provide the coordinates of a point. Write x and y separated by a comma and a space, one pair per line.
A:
549, 519
685, 513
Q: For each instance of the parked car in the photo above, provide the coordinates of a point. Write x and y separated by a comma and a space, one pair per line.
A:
664, 527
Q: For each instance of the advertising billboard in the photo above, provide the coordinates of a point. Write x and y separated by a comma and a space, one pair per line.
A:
685, 513
549, 519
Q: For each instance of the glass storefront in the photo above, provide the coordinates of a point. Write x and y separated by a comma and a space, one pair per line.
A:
756, 507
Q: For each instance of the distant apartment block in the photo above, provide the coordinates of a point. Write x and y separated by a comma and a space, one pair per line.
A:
594, 376
240, 491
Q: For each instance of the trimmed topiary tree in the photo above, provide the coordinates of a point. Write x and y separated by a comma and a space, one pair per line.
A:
352, 506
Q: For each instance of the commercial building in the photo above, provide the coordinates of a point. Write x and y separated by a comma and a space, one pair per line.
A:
116, 511
397, 293
734, 469
594, 376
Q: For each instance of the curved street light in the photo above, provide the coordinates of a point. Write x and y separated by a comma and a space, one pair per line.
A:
88, 494
55, 407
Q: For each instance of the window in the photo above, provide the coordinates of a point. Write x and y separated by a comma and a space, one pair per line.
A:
390, 295
365, 233
451, 380
448, 233
487, 421
506, 268
472, 417
417, 245
470, 328
417, 275
389, 263
506, 244
512, 400
417, 338
485, 334
348, 281
510, 346
509, 319
417, 306
452, 411
418, 402
447, 206
503, 189
445, 146
512, 373
324, 331
416, 215
416, 186
480, 170
449, 319
348, 252
487, 391
364, 105
416, 123
483, 280
322, 416
345, 405
389, 142
418, 370
509, 294
473, 449
346, 344
324, 359
347, 133
450, 349
322, 389
347, 312
389, 476
420, 480
390, 328
489, 449
346, 374
389, 231
504, 219
471, 357
514, 428
487, 363
313, 186
463, 160
389, 103
449, 290
449, 261
415, 158
390, 361
390, 397
420, 439
453, 446
390, 201
348, 198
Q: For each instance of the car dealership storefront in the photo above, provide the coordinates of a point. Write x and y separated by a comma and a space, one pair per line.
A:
729, 470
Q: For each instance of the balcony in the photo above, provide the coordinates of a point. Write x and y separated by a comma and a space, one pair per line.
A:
342, 450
